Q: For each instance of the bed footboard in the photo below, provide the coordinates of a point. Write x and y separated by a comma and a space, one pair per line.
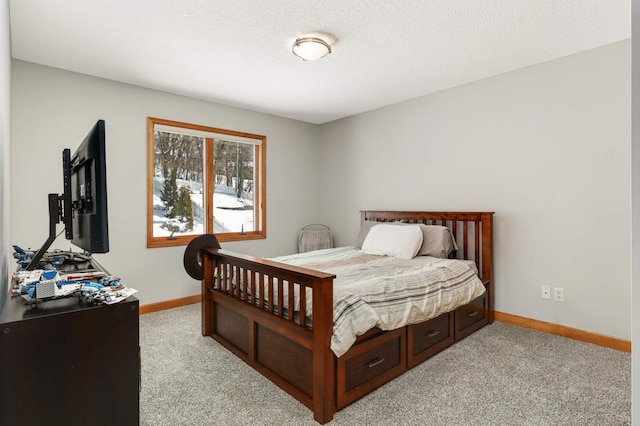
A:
258, 309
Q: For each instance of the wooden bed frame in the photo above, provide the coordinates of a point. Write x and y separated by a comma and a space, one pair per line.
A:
297, 357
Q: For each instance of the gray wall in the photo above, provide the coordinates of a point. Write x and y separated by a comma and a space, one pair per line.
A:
5, 167
53, 109
545, 147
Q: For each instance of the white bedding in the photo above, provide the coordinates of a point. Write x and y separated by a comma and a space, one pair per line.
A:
387, 292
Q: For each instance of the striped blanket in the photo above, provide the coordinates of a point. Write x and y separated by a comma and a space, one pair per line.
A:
387, 292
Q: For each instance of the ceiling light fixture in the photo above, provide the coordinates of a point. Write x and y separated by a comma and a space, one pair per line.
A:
310, 48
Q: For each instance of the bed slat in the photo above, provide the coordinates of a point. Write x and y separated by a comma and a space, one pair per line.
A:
465, 239
290, 305
476, 244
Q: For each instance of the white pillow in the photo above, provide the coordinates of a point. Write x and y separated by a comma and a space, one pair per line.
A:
392, 240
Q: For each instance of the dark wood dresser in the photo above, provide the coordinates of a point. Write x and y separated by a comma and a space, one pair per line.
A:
69, 363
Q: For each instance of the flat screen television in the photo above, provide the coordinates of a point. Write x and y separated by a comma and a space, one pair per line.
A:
82, 207
86, 193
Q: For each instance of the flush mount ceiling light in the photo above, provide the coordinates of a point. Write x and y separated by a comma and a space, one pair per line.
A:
310, 48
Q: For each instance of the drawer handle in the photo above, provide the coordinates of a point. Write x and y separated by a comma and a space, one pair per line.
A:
374, 362
433, 333
472, 313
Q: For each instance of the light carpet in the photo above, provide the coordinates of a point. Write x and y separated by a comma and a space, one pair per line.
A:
500, 375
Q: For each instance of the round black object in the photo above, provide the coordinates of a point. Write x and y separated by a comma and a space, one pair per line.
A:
192, 260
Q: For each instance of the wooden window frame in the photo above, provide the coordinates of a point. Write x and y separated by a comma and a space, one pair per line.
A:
260, 215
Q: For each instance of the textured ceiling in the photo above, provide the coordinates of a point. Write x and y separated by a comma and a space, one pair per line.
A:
238, 52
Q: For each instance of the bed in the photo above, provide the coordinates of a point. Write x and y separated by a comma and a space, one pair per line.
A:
279, 317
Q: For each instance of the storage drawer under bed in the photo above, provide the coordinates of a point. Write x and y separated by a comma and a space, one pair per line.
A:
428, 338
369, 364
471, 317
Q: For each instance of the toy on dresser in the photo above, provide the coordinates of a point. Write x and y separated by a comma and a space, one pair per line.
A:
65, 274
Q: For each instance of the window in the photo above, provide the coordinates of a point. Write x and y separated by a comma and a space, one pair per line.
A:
203, 180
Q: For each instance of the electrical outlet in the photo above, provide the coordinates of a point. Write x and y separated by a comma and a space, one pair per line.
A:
558, 294
546, 292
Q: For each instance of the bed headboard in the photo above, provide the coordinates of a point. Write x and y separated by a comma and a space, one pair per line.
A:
473, 232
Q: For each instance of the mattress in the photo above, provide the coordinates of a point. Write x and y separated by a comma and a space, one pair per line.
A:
387, 292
